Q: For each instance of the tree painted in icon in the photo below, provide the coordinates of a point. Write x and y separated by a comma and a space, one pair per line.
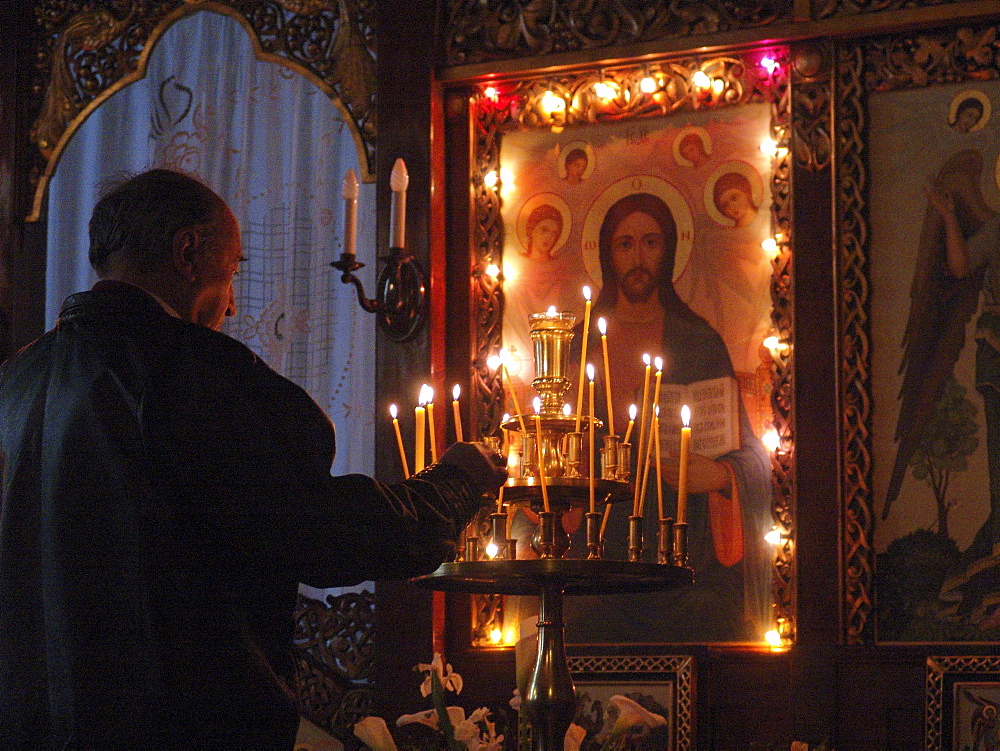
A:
945, 445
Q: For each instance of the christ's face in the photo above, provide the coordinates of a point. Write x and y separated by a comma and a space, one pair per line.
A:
637, 249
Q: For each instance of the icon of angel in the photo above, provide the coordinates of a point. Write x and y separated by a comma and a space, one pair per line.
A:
957, 268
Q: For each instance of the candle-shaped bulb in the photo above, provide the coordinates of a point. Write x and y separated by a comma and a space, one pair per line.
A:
456, 392
350, 195
590, 371
686, 415
399, 180
393, 411
602, 326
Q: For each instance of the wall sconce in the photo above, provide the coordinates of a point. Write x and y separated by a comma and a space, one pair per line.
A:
400, 300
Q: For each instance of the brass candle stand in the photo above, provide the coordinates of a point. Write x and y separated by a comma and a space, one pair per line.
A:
552, 450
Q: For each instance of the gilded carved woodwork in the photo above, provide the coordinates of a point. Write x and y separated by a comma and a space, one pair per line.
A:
897, 62
833, 8
527, 103
89, 52
492, 30
334, 652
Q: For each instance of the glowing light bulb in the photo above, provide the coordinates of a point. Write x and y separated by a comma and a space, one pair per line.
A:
491, 178
496, 635
701, 79
771, 440
770, 246
493, 271
604, 90
773, 537
769, 64
769, 147
717, 86
647, 85
492, 550
773, 638
552, 103
491, 93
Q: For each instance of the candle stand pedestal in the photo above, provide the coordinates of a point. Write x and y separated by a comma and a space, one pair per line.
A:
550, 701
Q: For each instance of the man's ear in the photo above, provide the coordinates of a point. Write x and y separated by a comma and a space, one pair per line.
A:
188, 246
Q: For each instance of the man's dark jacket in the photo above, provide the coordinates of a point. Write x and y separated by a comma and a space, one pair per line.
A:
164, 492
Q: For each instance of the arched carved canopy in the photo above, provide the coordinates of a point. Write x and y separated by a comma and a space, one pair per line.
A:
88, 53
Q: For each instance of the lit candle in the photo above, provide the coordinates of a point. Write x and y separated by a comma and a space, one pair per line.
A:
583, 357
455, 393
399, 180
642, 435
590, 377
538, 450
631, 421
602, 326
506, 433
350, 193
682, 475
399, 441
659, 468
420, 413
430, 423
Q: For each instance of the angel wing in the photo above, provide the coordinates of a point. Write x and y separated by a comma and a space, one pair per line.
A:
941, 306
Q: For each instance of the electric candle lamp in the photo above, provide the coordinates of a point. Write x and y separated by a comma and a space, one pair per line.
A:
583, 357
350, 194
399, 180
642, 434
632, 410
602, 326
537, 403
682, 478
455, 393
420, 414
399, 441
590, 378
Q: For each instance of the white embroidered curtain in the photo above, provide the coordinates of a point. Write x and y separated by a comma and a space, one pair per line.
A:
276, 149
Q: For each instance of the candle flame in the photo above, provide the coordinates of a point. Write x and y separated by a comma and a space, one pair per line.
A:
506, 417
586, 293
646, 360
590, 371
773, 638
658, 362
537, 404
656, 411
426, 395
632, 412
552, 310
602, 326
491, 551
392, 411
686, 415
456, 392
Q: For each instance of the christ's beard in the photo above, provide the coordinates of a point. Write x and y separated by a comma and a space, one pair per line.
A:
638, 285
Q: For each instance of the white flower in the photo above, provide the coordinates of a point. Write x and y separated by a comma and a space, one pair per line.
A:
429, 717
450, 680
373, 732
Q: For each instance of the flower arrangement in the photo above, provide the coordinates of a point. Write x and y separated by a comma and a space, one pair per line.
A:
453, 731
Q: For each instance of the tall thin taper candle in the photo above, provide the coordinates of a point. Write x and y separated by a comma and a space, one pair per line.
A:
502, 362
399, 441
399, 180
602, 326
350, 194
583, 357
631, 421
642, 435
682, 476
541, 461
430, 424
659, 468
420, 429
593, 463
456, 412
658, 364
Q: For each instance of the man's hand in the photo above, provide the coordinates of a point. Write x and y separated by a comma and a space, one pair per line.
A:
486, 467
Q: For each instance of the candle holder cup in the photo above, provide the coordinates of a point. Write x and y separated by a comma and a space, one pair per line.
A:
624, 469
574, 454
665, 542
471, 548
635, 538
595, 548
545, 535
609, 457
680, 544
